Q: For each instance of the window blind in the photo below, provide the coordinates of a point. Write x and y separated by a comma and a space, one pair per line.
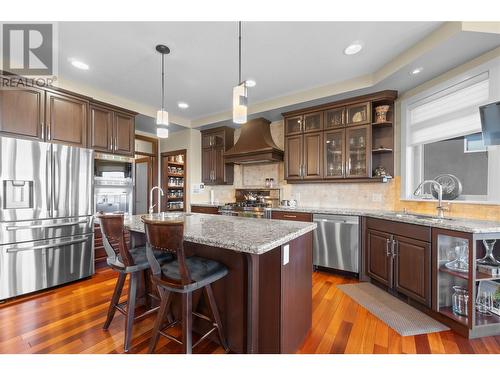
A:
450, 113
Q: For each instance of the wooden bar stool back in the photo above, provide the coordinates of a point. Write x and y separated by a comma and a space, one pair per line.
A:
183, 275
131, 262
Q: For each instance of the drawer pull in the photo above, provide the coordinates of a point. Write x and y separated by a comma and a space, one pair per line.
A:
290, 216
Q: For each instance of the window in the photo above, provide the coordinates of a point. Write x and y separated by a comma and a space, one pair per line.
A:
441, 134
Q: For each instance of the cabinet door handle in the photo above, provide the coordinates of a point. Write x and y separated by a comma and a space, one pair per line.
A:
387, 251
394, 248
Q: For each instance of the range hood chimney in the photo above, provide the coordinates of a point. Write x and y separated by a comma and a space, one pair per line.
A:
255, 144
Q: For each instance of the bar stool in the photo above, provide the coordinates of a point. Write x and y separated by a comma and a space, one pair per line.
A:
126, 262
183, 275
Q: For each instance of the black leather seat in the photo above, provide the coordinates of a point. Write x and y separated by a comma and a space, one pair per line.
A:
203, 272
140, 259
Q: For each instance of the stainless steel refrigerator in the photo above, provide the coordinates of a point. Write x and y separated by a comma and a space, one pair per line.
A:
46, 215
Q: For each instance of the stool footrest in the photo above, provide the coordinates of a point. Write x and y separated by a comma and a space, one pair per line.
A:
205, 336
170, 337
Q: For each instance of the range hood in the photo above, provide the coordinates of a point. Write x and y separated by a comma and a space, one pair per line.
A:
255, 145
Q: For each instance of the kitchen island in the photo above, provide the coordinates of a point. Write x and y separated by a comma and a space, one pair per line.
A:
265, 301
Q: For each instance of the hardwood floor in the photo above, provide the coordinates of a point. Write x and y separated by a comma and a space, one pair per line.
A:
69, 320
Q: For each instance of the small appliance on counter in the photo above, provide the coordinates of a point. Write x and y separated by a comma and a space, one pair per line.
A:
114, 183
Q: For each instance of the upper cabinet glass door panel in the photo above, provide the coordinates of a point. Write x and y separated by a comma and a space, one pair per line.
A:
358, 114
357, 151
334, 153
293, 125
334, 118
313, 122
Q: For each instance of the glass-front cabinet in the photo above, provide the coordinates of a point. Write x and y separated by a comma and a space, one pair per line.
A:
313, 122
334, 153
358, 114
334, 118
293, 125
467, 286
358, 152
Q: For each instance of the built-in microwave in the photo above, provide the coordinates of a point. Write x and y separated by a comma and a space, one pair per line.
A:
113, 183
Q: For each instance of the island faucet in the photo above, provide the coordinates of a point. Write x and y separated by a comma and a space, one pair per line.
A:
151, 205
440, 208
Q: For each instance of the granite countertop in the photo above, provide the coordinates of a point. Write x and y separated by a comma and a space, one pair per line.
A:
249, 235
457, 224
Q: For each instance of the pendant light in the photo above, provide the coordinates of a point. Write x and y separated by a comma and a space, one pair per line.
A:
162, 114
240, 94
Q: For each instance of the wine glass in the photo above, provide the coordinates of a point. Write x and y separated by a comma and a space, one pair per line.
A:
489, 259
484, 302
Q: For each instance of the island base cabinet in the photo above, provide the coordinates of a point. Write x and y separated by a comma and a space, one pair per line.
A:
285, 300
265, 301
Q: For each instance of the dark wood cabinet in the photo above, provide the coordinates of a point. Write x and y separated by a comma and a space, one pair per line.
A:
358, 114
412, 272
350, 147
291, 215
313, 156
22, 112
60, 116
214, 143
304, 156
358, 151
111, 131
334, 154
204, 209
294, 157
101, 128
293, 125
124, 130
379, 259
66, 119
398, 255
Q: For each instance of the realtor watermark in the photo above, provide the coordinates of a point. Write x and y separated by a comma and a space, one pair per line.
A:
29, 54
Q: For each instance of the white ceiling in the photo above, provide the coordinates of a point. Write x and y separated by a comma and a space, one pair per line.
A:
283, 57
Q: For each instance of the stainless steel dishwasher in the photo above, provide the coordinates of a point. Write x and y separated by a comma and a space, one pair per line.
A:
336, 242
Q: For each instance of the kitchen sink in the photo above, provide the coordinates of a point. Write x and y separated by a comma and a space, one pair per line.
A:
421, 216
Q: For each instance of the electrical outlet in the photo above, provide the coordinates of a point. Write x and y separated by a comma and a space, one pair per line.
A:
286, 254
376, 197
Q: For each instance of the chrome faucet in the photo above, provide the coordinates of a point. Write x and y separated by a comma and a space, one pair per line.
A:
151, 205
440, 208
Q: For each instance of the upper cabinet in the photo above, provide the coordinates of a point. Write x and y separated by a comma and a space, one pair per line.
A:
307, 123
123, 130
340, 142
101, 128
214, 143
66, 119
22, 112
111, 130
59, 116
358, 114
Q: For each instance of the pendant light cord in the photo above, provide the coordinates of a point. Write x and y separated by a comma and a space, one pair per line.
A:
239, 52
162, 81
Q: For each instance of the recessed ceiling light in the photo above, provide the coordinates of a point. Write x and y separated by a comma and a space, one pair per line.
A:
79, 64
182, 105
353, 48
250, 83
416, 70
